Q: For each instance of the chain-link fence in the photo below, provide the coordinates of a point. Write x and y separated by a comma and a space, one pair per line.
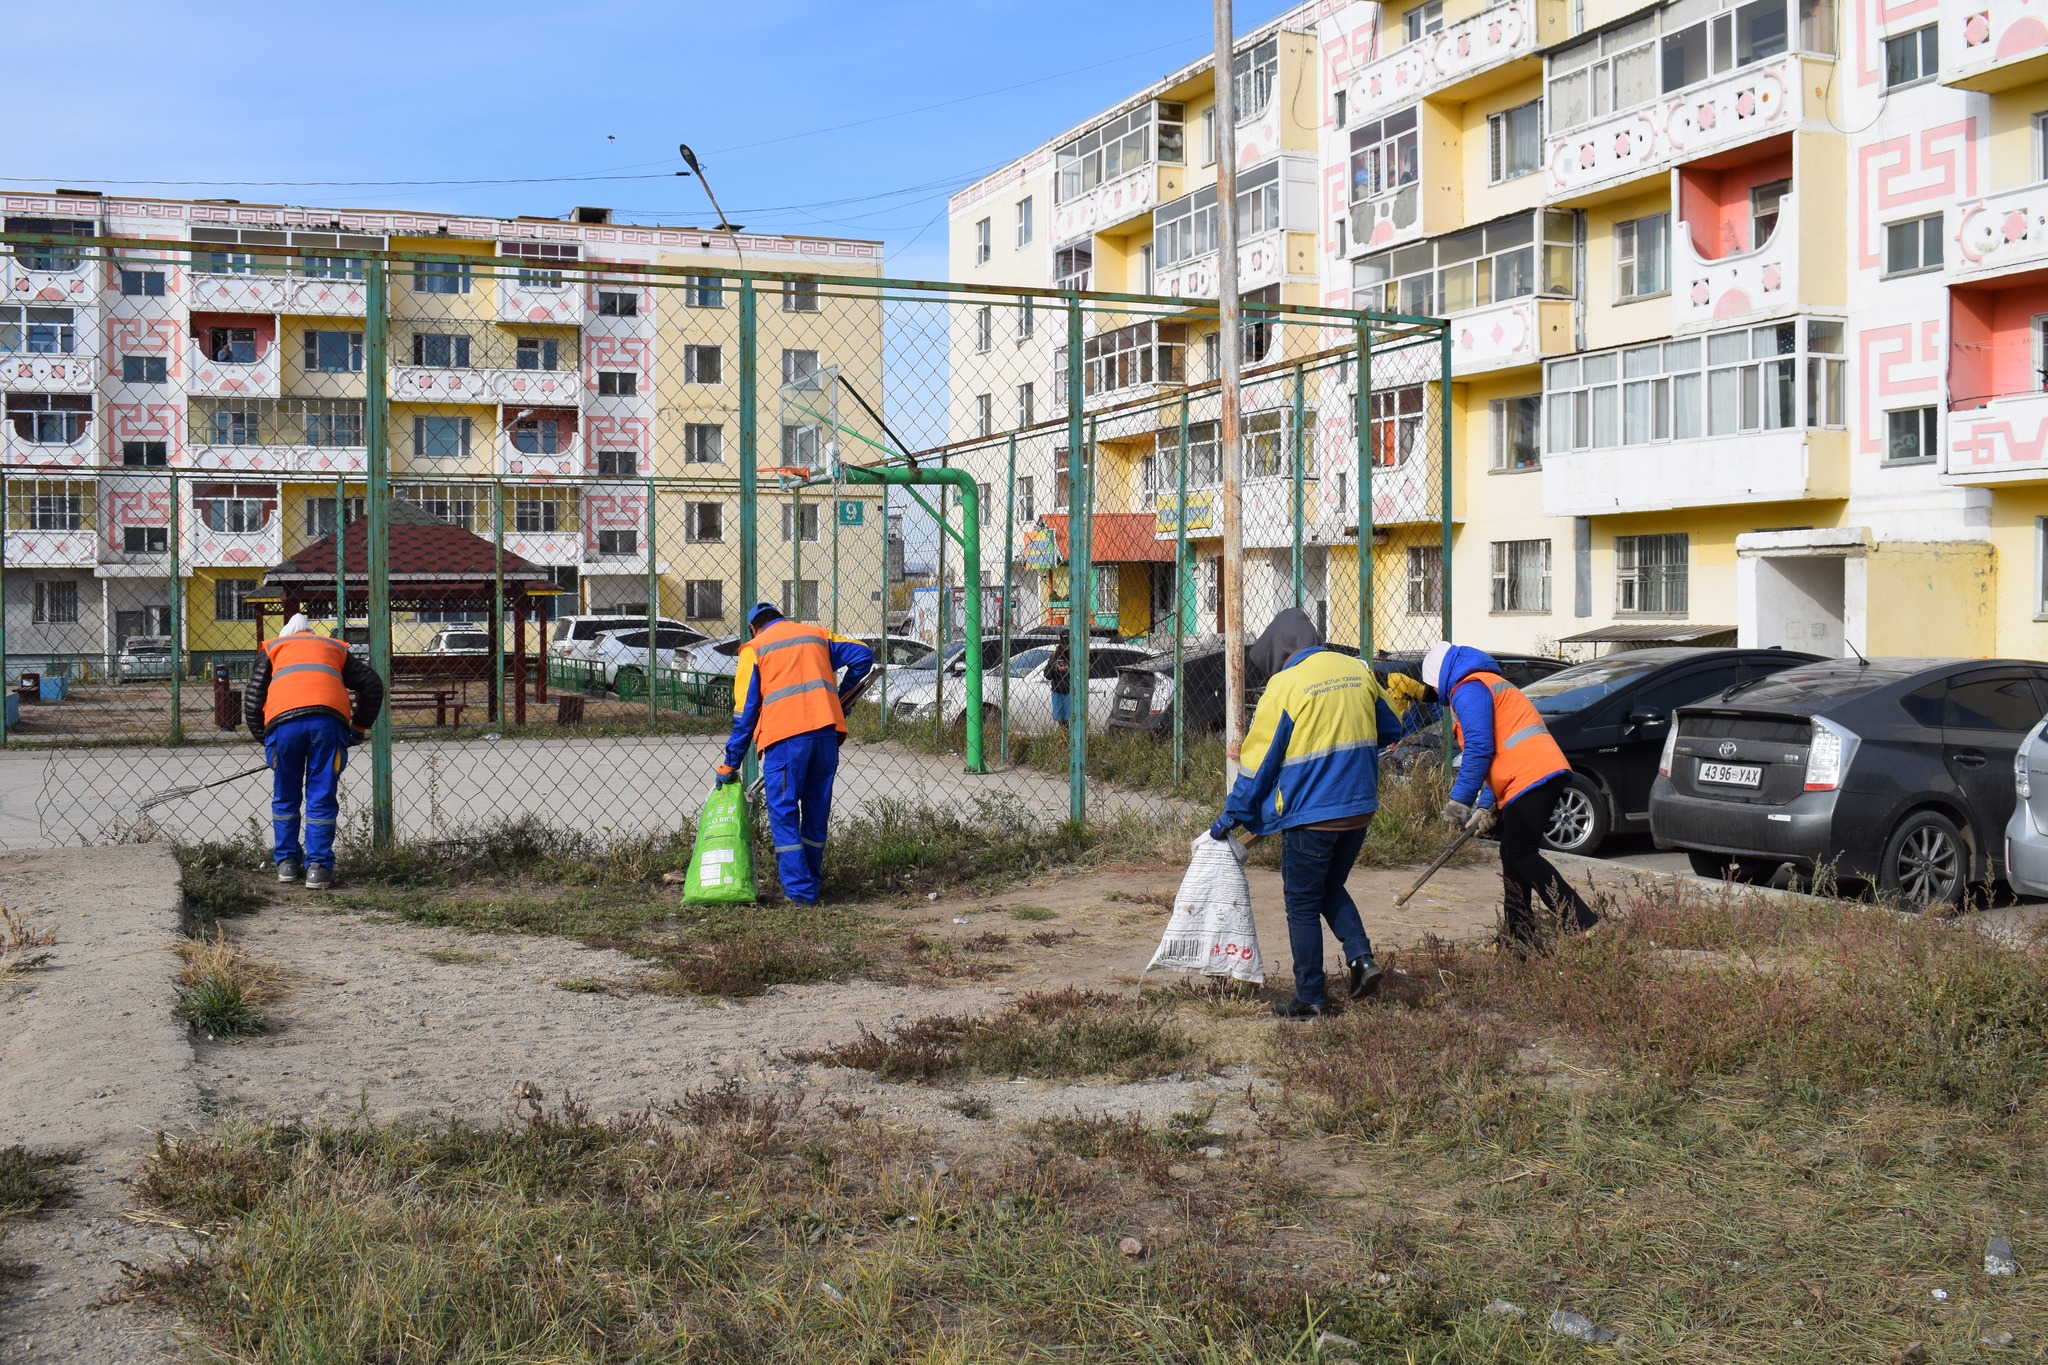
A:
558, 486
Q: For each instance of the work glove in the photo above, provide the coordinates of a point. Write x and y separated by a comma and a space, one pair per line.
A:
1221, 829
1484, 818
726, 776
1455, 813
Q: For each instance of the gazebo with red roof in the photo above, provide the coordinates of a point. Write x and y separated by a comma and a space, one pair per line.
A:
433, 566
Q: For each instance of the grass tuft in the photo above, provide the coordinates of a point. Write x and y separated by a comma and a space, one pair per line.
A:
32, 1181
22, 948
1051, 1033
222, 990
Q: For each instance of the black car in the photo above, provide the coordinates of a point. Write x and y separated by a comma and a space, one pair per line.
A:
1611, 717
1896, 772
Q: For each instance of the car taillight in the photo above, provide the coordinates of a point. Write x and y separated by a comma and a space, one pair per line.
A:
1827, 756
2022, 785
1670, 746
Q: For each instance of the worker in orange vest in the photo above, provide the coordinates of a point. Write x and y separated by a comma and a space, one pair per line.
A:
788, 703
299, 703
1511, 775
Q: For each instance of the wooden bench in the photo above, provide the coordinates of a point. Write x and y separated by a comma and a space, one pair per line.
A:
441, 701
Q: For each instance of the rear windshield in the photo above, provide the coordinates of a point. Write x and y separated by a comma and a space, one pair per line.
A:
1576, 688
1816, 683
154, 646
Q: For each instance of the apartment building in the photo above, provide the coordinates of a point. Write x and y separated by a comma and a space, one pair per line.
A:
1749, 310
595, 404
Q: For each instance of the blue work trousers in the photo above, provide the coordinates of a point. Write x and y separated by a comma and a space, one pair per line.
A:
1313, 866
306, 755
796, 776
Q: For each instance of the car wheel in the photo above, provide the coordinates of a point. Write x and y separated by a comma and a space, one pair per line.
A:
1925, 862
629, 683
1579, 822
991, 716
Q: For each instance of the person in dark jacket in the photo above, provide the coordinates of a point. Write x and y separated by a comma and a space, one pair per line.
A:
309, 700
1059, 677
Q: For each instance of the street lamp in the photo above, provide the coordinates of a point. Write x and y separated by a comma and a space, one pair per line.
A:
690, 160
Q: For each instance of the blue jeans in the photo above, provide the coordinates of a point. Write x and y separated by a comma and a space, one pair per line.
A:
796, 776
1062, 706
306, 757
1313, 866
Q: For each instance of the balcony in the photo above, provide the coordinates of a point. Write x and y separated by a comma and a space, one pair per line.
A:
204, 546
564, 461
1131, 195
1452, 60
76, 284
2004, 441
325, 297
276, 459
1387, 219
1505, 336
238, 291
212, 378
2001, 234
53, 549
1788, 465
18, 452
1747, 284
52, 524
1993, 45
527, 388
540, 302
1265, 259
49, 373
1753, 102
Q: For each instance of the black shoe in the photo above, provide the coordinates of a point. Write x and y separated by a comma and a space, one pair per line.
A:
1366, 978
288, 870
1298, 1009
319, 877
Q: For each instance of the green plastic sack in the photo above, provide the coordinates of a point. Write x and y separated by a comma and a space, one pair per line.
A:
722, 863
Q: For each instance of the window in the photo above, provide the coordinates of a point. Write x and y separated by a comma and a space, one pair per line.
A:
1521, 575
1254, 72
984, 414
1910, 58
538, 276
1024, 221
148, 284
453, 503
800, 367
1269, 444
1062, 484
1642, 253
1423, 20
1910, 434
1258, 201
49, 418
1186, 228
1425, 581
144, 369
52, 507
331, 267
1172, 120
801, 599
320, 515
1209, 136
803, 514
1143, 353
703, 365
1473, 268
982, 247
1913, 245
1604, 73
38, 331
1385, 155
618, 544
617, 303
1338, 103
440, 350
231, 599
334, 352
56, 602
234, 509
49, 257
440, 277
537, 353
1517, 443
703, 599
617, 383
1027, 505
440, 438
1515, 141
333, 424
618, 464
1098, 156
1073, 267
145, 454
800, 447
2041, 146
1826, 375
145, 540
984, 328
704, 291
237, 427
1025, 320
536, 435
703, 443
1764, 203
799, 296
1027, 404
703, 522
1650, 574
536, 516
231, 345
1397, 425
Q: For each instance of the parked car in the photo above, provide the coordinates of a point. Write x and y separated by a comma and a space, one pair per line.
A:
902, 650
2026, 833
1029, 692
144, 658
922, 671
621, 656
460, 640
575, 637
1896, 772
708, 667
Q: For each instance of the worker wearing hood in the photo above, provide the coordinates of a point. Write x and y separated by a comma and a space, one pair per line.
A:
1510, 775
1309, 772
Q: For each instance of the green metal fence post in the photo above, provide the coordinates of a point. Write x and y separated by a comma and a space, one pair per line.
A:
795, 606
882, 684
498, 605
943, 631
1009, 558
1361, 418
340, 561
1443, 397
177, 618
1298, 473
1077, 633
750, 458
3, 611
1180, 615
377, 532
653, 605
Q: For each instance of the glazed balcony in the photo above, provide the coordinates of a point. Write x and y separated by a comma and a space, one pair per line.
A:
1266, 259
52, 524
1757, 283
1130, 196
2004, 441
1993, 45
210, 378
541, 298
1752, 102
1461, 61
1788, 465
21, 373
2000, 234
206, 457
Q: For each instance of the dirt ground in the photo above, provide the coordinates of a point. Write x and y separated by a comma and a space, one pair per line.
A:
393, 1020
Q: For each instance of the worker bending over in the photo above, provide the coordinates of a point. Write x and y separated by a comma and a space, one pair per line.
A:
1512, 765
787, 704
298, 703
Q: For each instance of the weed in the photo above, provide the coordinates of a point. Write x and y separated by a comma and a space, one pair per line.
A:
29, 1181
215, 879
1031, 913
456, 957
971, 1107
1053, 938
222, 990
22, 948
1052, 1033
586, 985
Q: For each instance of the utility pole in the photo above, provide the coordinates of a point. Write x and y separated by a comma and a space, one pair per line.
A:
1230, 350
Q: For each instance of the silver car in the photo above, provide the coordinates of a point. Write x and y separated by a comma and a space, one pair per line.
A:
2026, 834
144, 658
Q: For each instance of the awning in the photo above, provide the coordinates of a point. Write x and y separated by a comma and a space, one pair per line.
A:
1115, 538
1651, 633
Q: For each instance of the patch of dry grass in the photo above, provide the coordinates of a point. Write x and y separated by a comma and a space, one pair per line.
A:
222, 990
23, 948
1048, 1033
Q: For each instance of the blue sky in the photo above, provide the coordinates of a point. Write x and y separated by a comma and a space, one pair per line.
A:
808, 116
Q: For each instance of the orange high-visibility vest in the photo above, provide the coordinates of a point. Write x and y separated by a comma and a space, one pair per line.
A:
305, 670
799, 691
1523, 751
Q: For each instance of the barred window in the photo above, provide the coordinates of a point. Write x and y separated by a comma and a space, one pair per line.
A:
1425, 581
56, 602
1521, 575
1651, 574
231, 598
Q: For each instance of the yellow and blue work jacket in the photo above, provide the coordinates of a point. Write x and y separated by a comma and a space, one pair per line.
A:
1312, 753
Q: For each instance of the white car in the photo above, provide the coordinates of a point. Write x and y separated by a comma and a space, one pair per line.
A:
621, 655
1030, 694
575, 637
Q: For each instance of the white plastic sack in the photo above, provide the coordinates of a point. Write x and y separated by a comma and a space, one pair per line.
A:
1211, 931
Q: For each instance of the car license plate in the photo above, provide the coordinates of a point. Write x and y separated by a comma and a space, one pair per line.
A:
1127, 704
1732, 774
